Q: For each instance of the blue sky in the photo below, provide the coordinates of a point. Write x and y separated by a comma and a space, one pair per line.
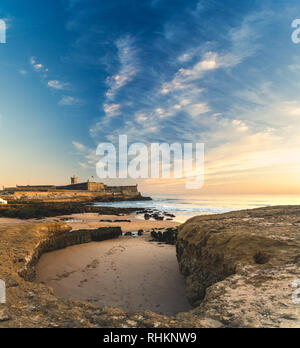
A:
78, 72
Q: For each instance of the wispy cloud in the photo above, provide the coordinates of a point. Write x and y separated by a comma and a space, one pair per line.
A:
200, 80
128, 68
128, 62
112, 110
78, 146
37, 66
69, 101
65, 100
88, 157
57, 84
182, 95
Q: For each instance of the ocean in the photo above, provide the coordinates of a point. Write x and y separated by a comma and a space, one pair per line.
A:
185, 207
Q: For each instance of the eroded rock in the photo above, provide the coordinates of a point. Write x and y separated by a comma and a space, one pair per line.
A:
33, 305
242, 270
240, 266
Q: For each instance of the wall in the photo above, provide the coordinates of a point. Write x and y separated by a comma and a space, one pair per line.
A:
83, 186
96, 187
42, 188
131, 191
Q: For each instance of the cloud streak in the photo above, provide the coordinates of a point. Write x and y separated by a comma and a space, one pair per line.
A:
201, 78
57, 84
127, 57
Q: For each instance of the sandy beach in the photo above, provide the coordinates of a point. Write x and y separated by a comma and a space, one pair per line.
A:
4, 221
92, 221
130, 273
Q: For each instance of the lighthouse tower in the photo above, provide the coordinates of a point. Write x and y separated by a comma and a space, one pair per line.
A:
74, 180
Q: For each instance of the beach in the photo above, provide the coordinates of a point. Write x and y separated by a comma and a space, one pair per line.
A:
243, 276
129, 273
128, 223
90, 221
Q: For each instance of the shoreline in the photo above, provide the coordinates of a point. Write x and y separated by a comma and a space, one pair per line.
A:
93, 221
90, 221
257, 249
144, 275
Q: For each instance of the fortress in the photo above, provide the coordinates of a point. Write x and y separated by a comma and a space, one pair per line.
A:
84, 187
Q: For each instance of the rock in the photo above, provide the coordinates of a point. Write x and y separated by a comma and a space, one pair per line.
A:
241, 269
4, 316
169, 215
168, 237
157, 217
297, 259
147, 216
261, 258
154, 215
122, 220
41, 209
239, 266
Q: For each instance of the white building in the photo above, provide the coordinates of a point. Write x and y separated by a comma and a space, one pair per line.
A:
2, 201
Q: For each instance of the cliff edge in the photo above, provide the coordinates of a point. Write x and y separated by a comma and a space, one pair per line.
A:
242, 268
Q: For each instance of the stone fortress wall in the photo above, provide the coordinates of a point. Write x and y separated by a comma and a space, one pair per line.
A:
78, 188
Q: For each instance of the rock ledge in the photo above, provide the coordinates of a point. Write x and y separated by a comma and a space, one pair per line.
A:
240, 267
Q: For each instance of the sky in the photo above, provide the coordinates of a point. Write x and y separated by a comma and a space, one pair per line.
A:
76, 73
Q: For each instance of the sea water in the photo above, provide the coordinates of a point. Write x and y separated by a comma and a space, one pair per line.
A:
185, 207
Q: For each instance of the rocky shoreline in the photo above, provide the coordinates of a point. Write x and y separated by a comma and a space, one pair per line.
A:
32, 305
42, 210
240, 269
39, 210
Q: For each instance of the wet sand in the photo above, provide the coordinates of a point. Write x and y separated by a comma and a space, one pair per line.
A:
129, 273
92, 221
11, 221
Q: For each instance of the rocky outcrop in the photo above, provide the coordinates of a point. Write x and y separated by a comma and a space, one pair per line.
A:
21, 246
32, 305
41, 210
169, 236
240, 267
242, 270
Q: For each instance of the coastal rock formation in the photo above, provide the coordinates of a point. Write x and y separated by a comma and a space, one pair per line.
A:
169, 236
41, 210
32, 305
241, 267
242, 270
